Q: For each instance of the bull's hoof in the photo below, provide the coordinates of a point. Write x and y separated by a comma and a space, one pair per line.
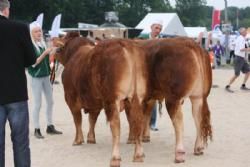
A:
77, 143
91, 138
130, 141
180, 157
139, 158
146, 139
115, 162
199, 151
91, 141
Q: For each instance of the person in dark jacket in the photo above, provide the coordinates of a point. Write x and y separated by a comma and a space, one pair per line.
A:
16, 53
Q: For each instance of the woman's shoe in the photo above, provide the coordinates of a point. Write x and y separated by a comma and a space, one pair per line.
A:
38, 134
51, 130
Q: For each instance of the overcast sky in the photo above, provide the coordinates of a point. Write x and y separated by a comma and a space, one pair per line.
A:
220, 4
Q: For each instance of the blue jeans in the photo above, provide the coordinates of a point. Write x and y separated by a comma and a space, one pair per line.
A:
18, 117
153, 117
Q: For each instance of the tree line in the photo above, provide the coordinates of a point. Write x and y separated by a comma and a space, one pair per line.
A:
191, 12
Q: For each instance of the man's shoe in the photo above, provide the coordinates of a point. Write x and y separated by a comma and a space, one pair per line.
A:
38, 134
154, 128
51, 130
56, 82
243, 87
227, 88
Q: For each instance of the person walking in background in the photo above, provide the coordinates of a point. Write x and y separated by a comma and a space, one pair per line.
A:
218, 52
156, 28
40, 81
240, 63
16, 52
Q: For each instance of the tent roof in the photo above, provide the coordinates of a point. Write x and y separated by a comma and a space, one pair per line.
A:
171, 23
194, 32
113, 24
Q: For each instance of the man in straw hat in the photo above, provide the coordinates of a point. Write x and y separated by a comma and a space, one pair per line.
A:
156, 28
16, 52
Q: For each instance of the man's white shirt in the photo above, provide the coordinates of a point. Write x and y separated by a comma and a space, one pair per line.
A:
240, 44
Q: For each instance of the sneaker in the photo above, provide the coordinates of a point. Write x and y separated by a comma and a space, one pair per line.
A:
243, 87
227, 88
56, 82
51, 130
154, 128
38, 134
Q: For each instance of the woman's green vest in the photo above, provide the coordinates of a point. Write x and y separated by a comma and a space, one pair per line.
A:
42, 69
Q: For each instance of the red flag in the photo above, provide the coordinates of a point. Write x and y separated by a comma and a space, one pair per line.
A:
216, 19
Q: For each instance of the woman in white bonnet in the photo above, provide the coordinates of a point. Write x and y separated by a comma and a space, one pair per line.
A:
40, 82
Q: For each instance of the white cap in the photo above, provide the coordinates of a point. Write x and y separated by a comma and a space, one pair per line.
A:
159, 22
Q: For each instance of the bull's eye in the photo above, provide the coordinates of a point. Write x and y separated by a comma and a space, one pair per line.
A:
58, 50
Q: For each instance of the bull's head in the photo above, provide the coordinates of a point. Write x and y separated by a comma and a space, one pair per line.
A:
68, 45
60, 44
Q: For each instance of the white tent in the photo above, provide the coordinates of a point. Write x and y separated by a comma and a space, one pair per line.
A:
194, 32
171, 23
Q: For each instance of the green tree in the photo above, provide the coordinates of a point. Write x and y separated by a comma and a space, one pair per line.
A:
191, 12
131, 11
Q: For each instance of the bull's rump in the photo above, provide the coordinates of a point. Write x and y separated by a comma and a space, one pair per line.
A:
178, 67
117, 66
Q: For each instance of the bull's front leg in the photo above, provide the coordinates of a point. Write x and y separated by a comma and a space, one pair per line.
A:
147, 116
137, 118
93, 115
175, 113
131, 136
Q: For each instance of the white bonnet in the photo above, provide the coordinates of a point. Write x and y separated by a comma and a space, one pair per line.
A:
34, 24
54, 33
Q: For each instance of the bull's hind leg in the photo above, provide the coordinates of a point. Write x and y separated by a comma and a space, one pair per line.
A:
93, 115
201, 116
175, 113
78, 125
115, 129
196, 110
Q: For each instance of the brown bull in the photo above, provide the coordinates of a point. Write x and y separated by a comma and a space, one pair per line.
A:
179, 69
105, 76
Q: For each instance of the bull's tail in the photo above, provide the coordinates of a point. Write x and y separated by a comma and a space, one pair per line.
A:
206, 128
206, 73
